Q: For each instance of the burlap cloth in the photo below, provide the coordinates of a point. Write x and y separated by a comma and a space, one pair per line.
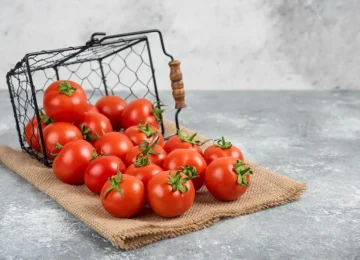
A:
267, 189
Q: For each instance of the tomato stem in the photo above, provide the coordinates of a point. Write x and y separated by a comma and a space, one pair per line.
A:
94, 155
66, 88
115, 182
146, 148
177, 182
190, 172
191, 139
157, 111
146, 129
45, 119
222, 143
57, 146
142, 160
86, 133
242, 170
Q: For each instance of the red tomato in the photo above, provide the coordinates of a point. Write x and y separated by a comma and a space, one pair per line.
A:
93, 125
170, 194
179, 158
112, 107
90, 108
31, 133
183, 142
70, 164
143, 170
221, 148
227, 178
123, 196
140, 110
61, 133
156, 153
114, 143
141, 132
100, 169
64, 101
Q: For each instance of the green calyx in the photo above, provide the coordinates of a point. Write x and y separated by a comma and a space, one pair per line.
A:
190, 172
115, 182
57, 146
86, 133
157, 110
94, 155
222, 143
178, 182
66, 88
142, 160
45, 119
146, 129
190, 139
146, 148
242, 170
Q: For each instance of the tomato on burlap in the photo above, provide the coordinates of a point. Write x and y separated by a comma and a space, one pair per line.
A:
100, 169
70, 164
114, 143
221, 148
227, 178
123, 195
180, 158
144, 132
59, 133
141, 110
180, 141
170, 193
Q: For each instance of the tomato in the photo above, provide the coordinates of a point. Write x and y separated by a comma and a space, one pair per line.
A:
112, 107
141, 110
100, 169
114, 143
179, 158
156, 153
93, 125
31, 131
90, 108
61, 133
180, 141
227, 178
170, 194
123, 195
64, 101
143, 170
70, 164
221, 148
31, 134
141, 132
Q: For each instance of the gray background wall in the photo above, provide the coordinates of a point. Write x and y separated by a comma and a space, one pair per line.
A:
233, 44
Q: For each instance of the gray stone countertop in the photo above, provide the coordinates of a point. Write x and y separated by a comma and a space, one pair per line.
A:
311, 136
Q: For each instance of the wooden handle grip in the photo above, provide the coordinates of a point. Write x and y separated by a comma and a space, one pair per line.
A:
177, 84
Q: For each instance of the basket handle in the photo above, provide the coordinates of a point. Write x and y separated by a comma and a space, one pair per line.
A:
177, 84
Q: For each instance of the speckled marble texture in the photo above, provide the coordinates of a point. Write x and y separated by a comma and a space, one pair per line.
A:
311, 136
233, 44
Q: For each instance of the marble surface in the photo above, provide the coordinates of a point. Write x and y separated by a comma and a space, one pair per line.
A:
303, 44
311, 136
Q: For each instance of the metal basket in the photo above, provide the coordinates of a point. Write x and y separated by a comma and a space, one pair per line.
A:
91, 66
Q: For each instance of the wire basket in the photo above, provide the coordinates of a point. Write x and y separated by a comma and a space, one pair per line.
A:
103, 66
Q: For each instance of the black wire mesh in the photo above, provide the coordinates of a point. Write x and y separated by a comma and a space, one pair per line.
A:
101, 67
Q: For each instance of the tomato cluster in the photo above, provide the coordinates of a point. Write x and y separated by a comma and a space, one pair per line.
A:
116, 149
